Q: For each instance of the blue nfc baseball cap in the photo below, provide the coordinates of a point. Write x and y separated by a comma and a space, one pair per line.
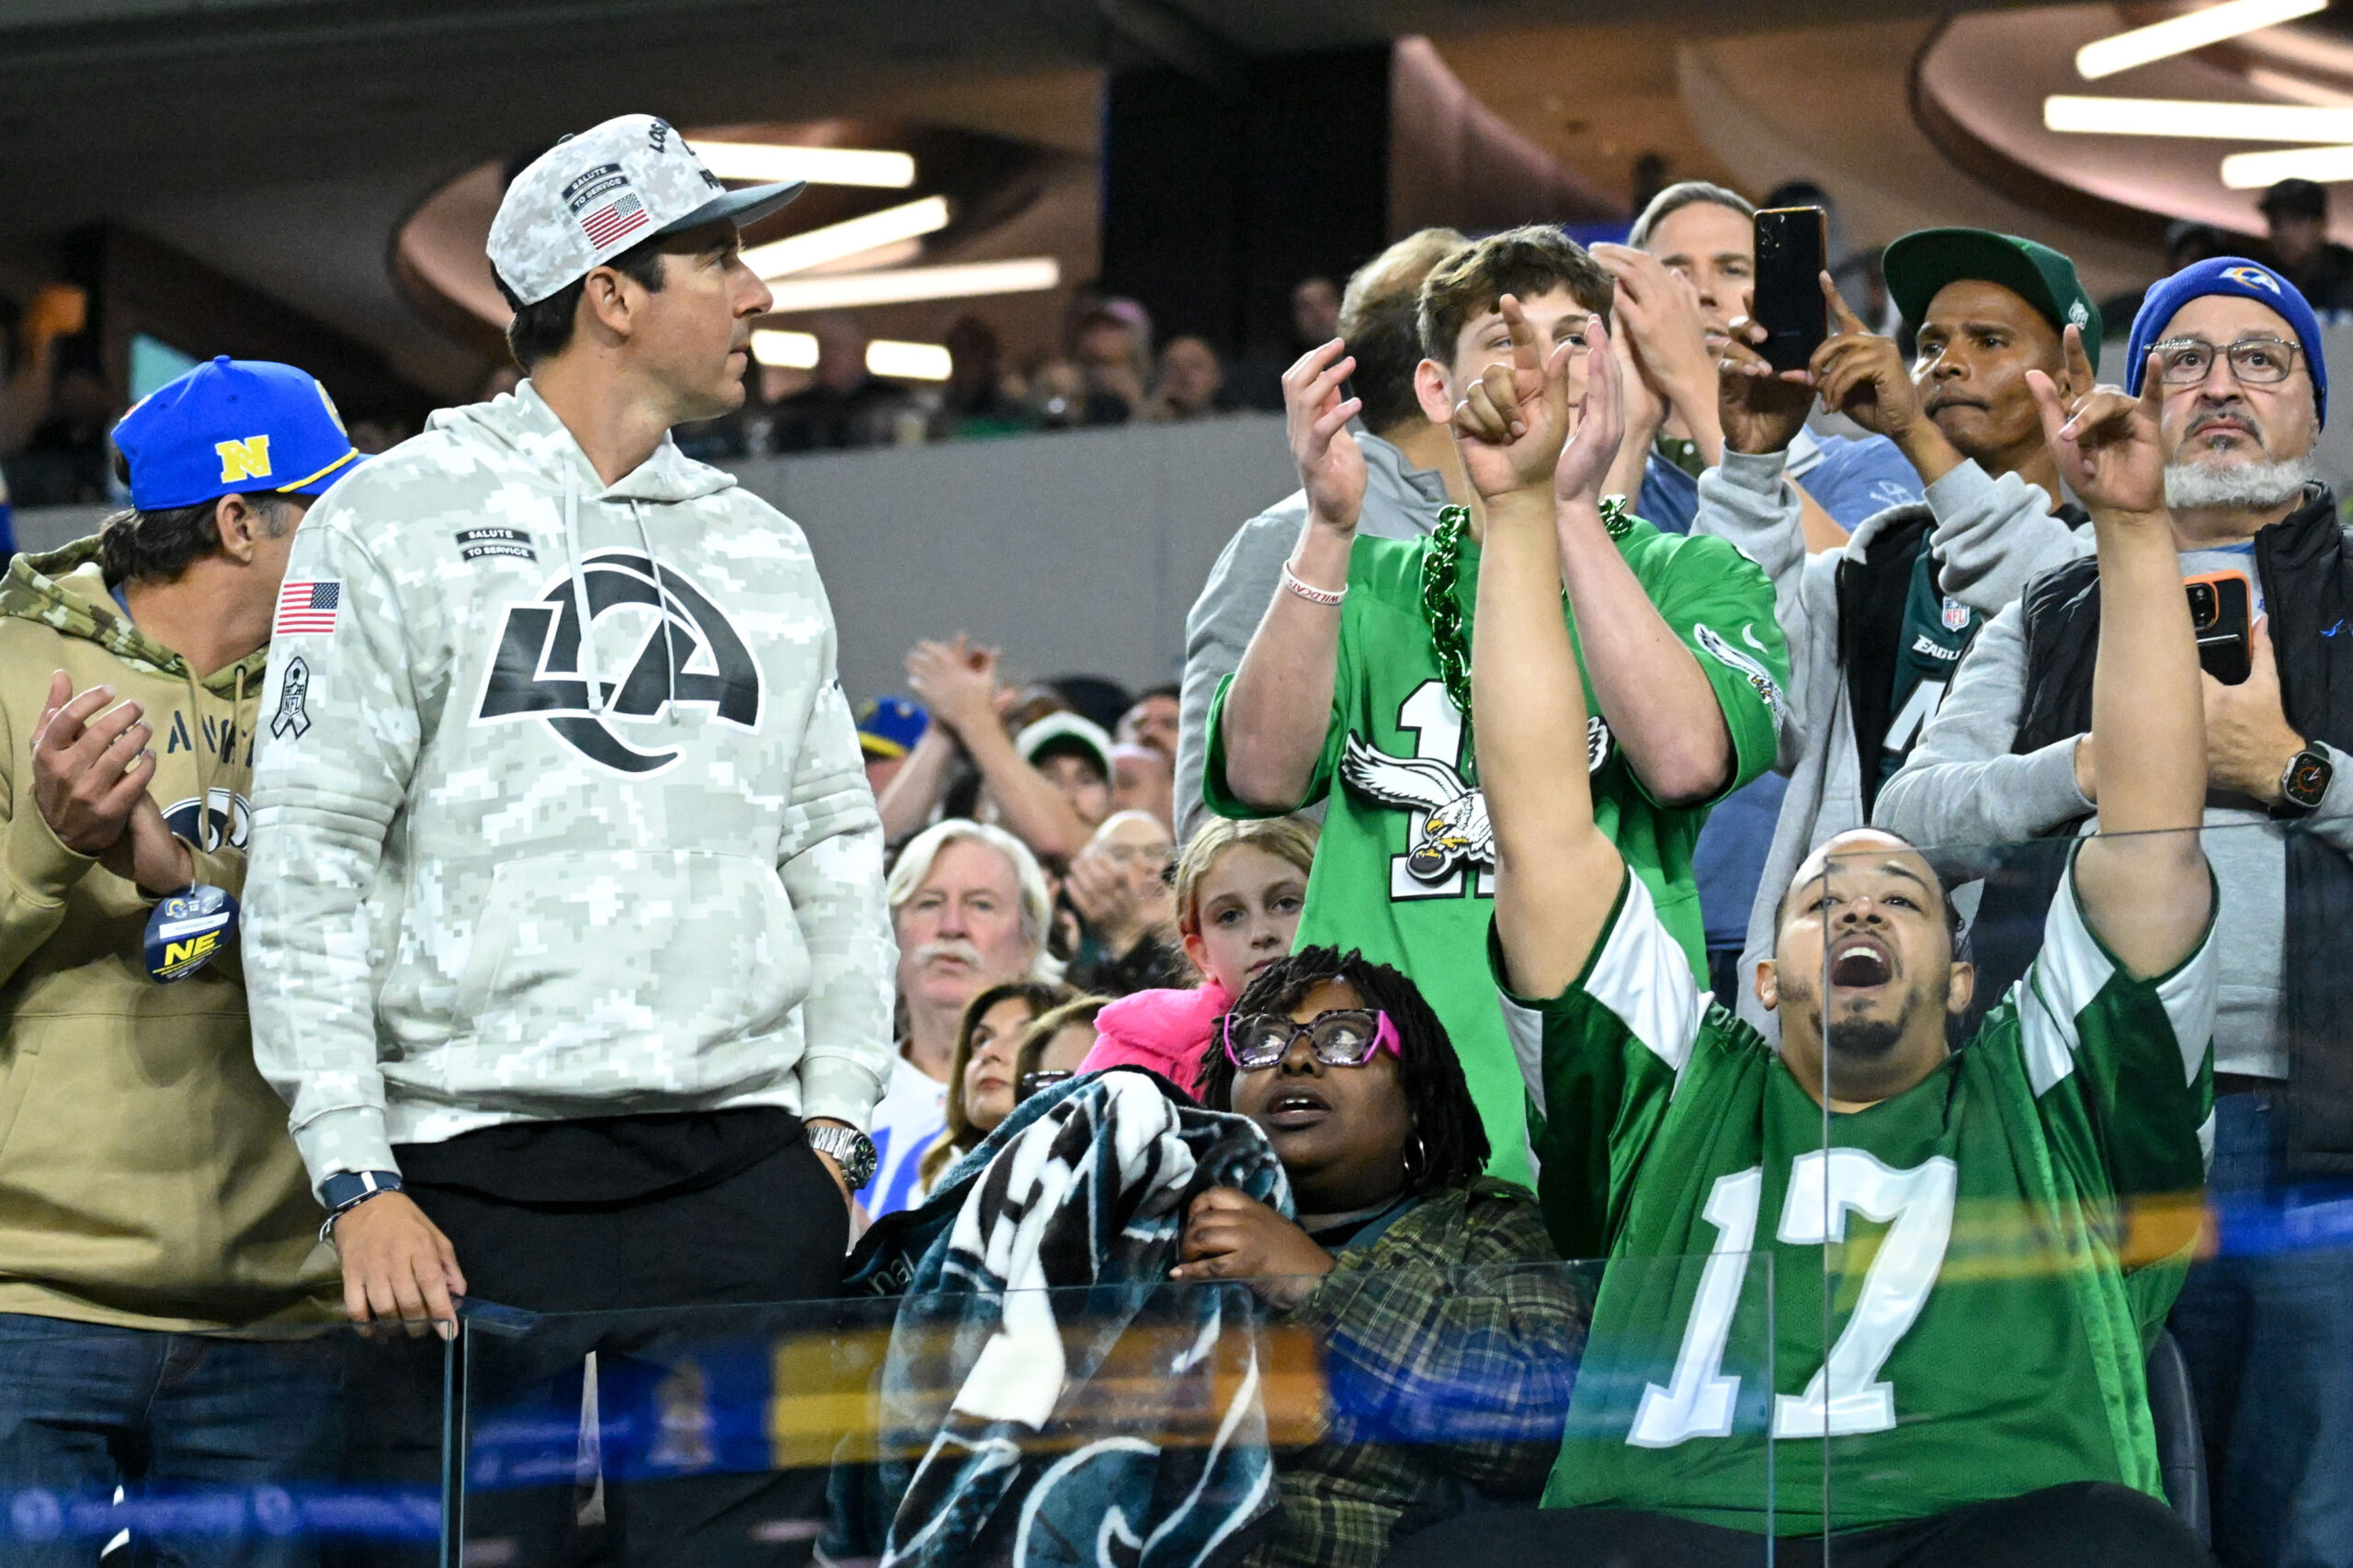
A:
2248, 280
232, 428
890, 726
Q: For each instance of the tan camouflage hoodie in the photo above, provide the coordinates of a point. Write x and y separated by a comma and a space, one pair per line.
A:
146, 1176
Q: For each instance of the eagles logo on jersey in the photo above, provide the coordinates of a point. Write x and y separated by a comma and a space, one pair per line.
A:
1455, 830
1760, 679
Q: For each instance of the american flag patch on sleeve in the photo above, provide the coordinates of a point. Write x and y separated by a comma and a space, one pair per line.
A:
306, 607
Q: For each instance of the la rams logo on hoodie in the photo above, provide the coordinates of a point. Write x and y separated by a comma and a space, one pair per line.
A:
690, 655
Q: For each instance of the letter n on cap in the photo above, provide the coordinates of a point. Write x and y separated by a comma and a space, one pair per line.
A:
248, 459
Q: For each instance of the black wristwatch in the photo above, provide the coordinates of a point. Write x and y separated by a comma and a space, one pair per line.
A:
347, 1190
2303, 782
850, 1149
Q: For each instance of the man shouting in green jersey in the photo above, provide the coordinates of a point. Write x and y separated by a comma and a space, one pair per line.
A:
1952, 1312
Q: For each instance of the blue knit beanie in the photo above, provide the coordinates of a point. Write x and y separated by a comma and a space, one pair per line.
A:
2228, 275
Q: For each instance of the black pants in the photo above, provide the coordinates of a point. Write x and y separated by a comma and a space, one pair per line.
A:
2085, 1524
771, 1232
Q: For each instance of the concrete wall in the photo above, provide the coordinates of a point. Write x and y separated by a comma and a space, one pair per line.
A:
1079, 550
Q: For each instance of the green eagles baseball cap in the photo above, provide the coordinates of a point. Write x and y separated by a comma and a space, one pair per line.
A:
1924, 261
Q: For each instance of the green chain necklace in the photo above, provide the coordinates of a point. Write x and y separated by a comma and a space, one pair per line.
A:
1442, 606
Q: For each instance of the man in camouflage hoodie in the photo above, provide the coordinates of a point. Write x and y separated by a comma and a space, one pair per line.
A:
567, 942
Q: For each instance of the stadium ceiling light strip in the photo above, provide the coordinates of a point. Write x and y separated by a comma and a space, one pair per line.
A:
785, 351
2192, 116
884, 356
893, 254
818, 166
909, 361
850, 290
2179, 35
800, 252
2255, 171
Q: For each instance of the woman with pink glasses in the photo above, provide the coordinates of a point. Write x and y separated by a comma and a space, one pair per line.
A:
1450, 1333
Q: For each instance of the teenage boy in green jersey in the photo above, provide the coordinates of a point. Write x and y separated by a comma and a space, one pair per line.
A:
1978, 1392
1360, 701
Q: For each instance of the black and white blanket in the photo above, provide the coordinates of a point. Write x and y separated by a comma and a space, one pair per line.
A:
1071, 1407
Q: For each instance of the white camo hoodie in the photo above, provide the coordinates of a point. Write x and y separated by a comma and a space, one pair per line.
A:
503, 872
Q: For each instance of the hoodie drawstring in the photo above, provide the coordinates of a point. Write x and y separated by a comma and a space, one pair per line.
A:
587, 653
661, 609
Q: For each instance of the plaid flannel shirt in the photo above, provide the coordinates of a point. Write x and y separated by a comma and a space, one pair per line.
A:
1449, 1345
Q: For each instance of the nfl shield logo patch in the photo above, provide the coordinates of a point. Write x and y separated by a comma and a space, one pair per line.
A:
1956, 615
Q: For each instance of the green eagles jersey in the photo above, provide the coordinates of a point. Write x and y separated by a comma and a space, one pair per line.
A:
1975, 1326
1405, 871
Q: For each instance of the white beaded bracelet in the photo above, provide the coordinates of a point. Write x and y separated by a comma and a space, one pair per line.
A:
1311, 595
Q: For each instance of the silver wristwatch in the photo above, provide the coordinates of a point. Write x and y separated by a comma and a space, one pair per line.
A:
850, 1149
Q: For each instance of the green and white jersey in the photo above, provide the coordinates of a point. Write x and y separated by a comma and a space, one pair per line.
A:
1405, 870
1947, 1303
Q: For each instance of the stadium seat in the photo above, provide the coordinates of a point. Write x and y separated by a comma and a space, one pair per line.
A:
2181, 1449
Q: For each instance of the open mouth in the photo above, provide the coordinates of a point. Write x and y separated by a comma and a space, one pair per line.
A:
1296, 1107
1860, 964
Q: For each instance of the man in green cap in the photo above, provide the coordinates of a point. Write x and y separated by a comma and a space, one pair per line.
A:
1876, 627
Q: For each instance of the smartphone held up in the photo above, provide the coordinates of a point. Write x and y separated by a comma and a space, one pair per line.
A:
1792, 245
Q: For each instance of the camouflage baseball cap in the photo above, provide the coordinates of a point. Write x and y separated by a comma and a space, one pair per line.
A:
593, 195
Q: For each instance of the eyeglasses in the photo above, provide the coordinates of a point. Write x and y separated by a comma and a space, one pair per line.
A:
2256, 361
1344, 1037
1153, 857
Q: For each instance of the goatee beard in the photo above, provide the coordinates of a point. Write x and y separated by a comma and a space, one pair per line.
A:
2252, 485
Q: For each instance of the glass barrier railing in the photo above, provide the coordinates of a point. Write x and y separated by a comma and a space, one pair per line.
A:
2026, 1208
1134, 1420
125, 1447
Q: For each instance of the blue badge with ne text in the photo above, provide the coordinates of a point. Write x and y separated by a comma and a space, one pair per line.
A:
187, 931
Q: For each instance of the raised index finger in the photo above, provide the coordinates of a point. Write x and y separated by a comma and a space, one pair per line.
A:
1310, 365
1527, 353
2153, 391
2079, 364
1847, 321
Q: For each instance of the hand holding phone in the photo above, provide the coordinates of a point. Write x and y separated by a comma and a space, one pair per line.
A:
2220, 615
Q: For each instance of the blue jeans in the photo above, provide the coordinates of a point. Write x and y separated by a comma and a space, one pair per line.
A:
2267, 1327
212, 1441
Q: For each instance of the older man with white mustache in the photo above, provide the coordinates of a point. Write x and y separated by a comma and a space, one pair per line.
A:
970, 907
2240, 392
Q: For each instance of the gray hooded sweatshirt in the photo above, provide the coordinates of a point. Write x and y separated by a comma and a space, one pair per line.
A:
1992, 535
503, 873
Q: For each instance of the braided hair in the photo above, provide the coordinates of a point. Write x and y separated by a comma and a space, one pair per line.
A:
1452, 1141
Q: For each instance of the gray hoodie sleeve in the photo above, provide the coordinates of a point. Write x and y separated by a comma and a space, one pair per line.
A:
831, 864
1961, 786
332, 764
1746, 502
1218, 632
1995, 536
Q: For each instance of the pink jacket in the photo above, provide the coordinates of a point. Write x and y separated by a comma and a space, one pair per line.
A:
1164, 1031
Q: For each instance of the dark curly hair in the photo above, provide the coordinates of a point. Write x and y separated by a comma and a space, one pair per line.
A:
1454, 1142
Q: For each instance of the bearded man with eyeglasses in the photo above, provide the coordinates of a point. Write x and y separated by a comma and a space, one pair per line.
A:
2267, 1324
